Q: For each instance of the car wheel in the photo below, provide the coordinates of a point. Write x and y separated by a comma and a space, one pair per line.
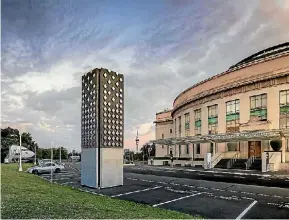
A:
57, 170
35, 172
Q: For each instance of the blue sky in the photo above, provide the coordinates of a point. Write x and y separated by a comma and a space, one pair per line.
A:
161, 46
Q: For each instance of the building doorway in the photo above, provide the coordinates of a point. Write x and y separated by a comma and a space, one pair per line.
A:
254, 148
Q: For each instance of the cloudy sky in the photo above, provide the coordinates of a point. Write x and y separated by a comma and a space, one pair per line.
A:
161, 46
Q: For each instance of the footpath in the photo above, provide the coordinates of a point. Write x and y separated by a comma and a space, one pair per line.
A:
272, 179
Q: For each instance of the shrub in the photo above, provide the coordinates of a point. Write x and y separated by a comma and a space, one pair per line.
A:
276, 145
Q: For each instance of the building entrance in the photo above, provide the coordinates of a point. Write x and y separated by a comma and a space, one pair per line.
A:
254, 148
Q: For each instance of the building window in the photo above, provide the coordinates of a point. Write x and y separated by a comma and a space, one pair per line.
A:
284, 109
187, 149
171, 131
198, 122
187, 124
211, 148
233, 116
213, 119
258, 106
232, 146
175, 127
168, 150
198, 148
180, 126
180, 150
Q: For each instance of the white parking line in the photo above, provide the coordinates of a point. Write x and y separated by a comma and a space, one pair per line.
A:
246, 210
162, 182
184, 197
149, 181
175, 184
142, 190
216, 189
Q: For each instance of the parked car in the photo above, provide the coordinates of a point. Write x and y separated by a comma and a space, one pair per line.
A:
46, 167
49, 160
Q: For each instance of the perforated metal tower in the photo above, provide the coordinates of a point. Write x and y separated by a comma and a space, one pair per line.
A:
102, 129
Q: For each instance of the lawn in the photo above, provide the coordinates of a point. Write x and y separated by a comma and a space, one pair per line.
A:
26, 196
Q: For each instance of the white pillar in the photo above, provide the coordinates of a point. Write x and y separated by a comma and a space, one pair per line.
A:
20, 154
264, 161
283, 149
35, 156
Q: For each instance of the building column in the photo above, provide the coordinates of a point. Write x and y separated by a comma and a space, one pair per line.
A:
283, 149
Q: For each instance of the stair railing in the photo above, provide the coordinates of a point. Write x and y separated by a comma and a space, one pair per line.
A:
232, 160
217, 159
250, 161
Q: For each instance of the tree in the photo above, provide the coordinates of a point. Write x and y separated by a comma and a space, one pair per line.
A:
10, 136
149, 150
276, 145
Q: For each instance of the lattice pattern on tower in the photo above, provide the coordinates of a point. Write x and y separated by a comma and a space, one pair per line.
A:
102, 109
89, 111
111, 111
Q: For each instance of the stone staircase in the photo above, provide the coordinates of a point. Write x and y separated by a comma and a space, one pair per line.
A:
222, 164
240, 164
256, 165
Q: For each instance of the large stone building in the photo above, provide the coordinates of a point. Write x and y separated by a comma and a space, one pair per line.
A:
251, 96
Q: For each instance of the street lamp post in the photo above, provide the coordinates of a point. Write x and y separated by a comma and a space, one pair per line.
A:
60, 155
51, 173
20, 154
35, 155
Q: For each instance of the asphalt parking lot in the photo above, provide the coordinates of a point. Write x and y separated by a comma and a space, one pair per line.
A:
197, 197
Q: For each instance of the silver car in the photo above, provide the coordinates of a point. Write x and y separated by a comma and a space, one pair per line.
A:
46, 168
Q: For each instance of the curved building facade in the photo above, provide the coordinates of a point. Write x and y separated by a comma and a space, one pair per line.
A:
252, 95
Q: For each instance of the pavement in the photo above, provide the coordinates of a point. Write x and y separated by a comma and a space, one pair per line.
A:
208, 199
219, 175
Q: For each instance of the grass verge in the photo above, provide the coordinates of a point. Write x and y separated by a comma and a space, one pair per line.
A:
27, 196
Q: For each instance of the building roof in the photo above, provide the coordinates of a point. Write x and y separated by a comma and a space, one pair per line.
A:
281, 48
263, 55
164, 111
225, 137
